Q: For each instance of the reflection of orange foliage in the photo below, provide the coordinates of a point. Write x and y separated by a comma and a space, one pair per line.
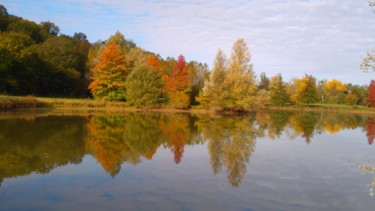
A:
370, 126
148, 155
104, 146
176, 131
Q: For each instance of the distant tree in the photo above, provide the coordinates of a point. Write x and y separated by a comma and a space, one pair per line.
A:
35, 31
50, 27
3, 10
371, 94
307, 92
264, 81
144, 87
240, 81
80, 36
359, 91
278, 94
109, 75
351, 99
334, 90
198, 72
119, 40
3, 18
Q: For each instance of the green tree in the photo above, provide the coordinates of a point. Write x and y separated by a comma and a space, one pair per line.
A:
278, 94
144, 87
3, 18
63, 57
264, 81
240, 80
307, 92
35, 31
109, 75
50, 28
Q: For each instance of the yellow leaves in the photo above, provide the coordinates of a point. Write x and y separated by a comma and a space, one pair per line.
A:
335, 85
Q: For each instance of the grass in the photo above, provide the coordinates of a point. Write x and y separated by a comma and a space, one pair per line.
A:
13, 102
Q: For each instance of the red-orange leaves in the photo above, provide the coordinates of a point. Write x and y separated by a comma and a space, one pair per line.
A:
177, 84
108, 81
371, 94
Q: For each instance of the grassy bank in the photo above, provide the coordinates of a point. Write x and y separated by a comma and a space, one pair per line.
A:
13, 103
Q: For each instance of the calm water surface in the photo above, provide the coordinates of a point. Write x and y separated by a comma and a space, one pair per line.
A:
152, 161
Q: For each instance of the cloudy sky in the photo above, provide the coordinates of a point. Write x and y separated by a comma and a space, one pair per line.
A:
325, 38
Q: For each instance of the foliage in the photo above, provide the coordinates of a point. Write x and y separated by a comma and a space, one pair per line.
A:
264, 81
240, 80
307, 92
50, 28
278, 94
144, 87
371, 94
351, 99
110, 73
214, 87
334, 90
177, 85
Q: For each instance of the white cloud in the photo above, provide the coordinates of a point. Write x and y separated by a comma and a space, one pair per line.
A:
325, 38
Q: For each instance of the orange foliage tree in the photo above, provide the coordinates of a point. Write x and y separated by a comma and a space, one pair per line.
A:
109, 75
178, 84
371, 94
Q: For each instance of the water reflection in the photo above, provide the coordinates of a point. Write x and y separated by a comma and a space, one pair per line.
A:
231, 141
40, 144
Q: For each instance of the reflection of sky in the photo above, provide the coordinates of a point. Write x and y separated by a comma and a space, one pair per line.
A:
282, 174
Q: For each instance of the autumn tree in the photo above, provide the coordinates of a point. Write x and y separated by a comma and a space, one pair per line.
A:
177, 84
110, 73
334, 90
307, 92
214, 87
371, 94
144, 87
278, 94
240, 81
351, 99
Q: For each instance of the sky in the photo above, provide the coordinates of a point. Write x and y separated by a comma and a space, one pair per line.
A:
324, 38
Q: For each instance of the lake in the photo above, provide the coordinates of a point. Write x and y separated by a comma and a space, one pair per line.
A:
273, 160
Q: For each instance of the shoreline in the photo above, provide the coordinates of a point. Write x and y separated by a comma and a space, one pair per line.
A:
28, 103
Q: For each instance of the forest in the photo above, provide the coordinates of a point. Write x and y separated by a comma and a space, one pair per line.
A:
37, 60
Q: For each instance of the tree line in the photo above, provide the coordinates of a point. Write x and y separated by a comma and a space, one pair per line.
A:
36, 59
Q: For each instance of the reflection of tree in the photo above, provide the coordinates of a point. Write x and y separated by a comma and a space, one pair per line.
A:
115, 139
105, 141
40, 145
370, 128
231, 141
278, 121
177, 131
304, 124
334, 122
